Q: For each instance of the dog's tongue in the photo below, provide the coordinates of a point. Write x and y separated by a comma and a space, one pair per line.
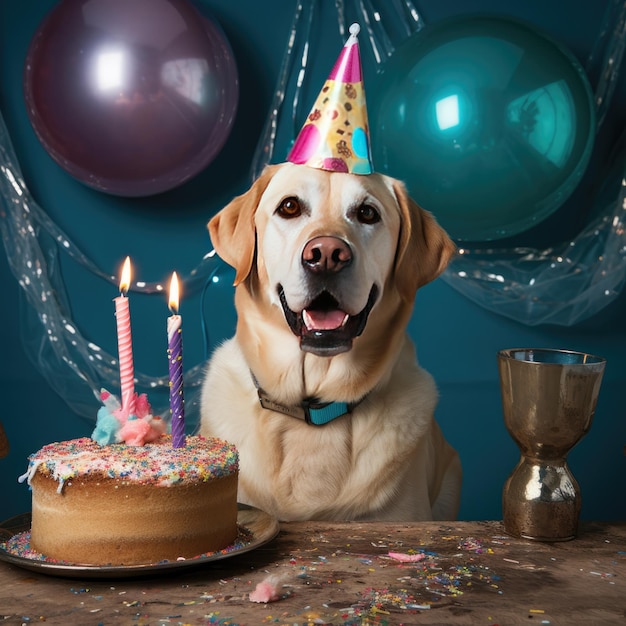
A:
324, 320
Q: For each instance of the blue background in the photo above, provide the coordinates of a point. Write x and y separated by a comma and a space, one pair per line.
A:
457, 339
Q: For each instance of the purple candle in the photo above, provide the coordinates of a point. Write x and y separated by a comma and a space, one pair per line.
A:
175, 359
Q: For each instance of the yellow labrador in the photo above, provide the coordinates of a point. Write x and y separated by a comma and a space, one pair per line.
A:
327, 267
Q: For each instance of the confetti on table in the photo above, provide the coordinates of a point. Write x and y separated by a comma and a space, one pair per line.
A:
407, 558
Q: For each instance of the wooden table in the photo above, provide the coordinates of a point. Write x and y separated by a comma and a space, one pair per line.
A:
342, 573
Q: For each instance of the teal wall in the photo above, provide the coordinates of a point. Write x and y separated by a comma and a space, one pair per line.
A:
457, 339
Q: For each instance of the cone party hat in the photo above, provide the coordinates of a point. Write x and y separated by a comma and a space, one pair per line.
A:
335, 136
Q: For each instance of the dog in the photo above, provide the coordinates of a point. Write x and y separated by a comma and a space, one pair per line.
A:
327, 266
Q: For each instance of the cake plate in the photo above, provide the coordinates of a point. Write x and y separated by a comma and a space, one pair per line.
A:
256, 528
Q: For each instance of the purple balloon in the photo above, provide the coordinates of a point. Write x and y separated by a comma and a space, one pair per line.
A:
131, 97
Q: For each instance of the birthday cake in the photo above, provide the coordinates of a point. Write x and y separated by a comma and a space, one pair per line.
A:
122, 504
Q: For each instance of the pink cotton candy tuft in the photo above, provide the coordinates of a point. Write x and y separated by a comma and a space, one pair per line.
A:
121, 413
142, 406
268, 590
114, 423
134, 432
157, 428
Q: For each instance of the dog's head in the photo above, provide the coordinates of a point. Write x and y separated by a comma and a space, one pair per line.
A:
326, 249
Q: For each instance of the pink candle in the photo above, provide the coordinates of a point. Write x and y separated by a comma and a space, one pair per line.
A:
125, 344
175, 360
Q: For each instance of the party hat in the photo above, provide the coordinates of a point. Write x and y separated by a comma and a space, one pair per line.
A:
335, 136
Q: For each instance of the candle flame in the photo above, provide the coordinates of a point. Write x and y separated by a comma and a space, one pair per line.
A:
125, 280
174, 294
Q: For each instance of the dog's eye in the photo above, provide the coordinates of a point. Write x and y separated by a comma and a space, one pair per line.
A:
289, 207
367, 214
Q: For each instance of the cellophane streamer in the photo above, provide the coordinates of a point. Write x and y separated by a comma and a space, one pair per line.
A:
75, 367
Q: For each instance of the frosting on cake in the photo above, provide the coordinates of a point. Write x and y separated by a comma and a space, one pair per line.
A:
158, 463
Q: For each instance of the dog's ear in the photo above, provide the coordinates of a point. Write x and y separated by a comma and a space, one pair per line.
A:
232, 229
424, 247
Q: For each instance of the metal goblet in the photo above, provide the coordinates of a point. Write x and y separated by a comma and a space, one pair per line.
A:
549, 399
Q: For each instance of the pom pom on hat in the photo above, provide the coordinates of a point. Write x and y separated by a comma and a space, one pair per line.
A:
335, 136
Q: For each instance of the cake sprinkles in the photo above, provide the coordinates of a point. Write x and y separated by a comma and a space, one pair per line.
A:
19, 546
158, 463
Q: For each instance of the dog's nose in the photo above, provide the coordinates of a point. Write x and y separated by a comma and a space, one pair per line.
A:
326, 254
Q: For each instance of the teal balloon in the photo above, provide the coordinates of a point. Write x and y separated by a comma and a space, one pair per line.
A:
488, 121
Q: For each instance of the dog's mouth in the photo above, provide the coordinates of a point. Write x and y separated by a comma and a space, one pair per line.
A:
323, 327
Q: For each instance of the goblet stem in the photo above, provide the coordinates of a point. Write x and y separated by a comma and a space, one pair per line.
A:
541, 500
